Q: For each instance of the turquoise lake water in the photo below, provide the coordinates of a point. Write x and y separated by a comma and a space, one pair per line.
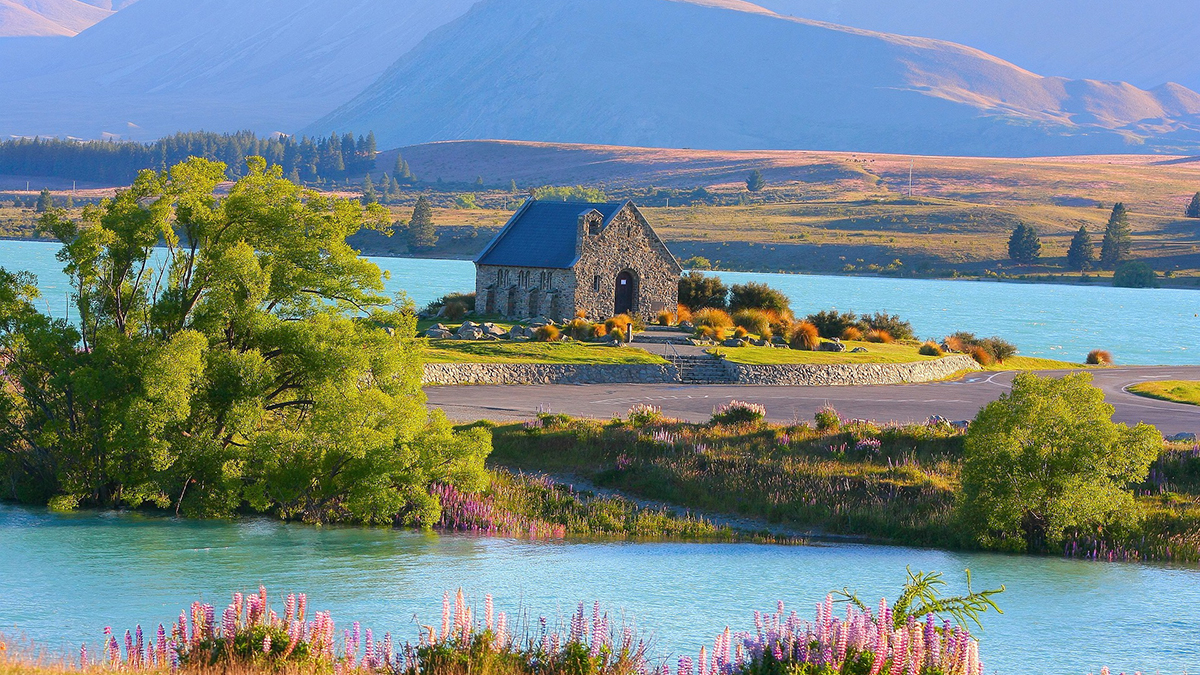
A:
63, 578
1139, 326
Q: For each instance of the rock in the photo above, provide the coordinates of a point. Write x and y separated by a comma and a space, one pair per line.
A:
946, 349
1186, 437
859, 350
438, 334
687, 326
834, 345
539, 321
492, 330
466, 326
474, 333
759, 343
734, 342
781, 345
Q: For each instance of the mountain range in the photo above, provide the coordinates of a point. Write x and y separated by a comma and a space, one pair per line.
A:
719, 74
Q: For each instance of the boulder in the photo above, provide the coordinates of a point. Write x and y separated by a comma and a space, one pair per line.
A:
466, 326
475, 333
539, 321
520, 332
493, 330
438, 334
859, 350
834, 345
1186, 437
687, 326
759, 343
734, 342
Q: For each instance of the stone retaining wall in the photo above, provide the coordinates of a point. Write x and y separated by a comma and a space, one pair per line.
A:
845, 374
549, 373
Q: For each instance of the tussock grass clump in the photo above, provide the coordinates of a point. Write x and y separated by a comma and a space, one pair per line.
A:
982, 356
665, 318
1099, 357
879, 336
580, 329
998, 350
620, 324
712, 318
546, 334
805, 336
738, 412
931, 348
740, 333
754, 321
682, 313
852, 334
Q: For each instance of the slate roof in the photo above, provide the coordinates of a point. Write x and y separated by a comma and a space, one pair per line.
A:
542, 234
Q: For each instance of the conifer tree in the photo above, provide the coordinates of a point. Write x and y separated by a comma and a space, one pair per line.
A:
1082, 254
1117, 246
755, 181
369, 196
44, 201
512, 187
1193, 209
422, 235
1024, 246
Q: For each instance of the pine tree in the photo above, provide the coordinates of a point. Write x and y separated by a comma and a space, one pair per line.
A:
512, 187
69, 202
1193, 209
479, 181
393, 191
1118, 238
1024, 246
44, 201
755, 181
422, 236
369, 196
1082, 254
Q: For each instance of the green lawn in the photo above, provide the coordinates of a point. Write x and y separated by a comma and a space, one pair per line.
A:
1036, 363
503, 351
876, 353
1176, 391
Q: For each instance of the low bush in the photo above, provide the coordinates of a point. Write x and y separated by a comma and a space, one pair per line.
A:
832, 323
712, 318
644, 414
452, 306
889, 323
620, 324
1135, 274
546, 334
931, 348
879, 336
754, 295
740, 333
738, 412
827, 419
682, 313
1099, 357
665, 318
852, 333
805, 336
997, 349
697, 291
982, 356
754, 321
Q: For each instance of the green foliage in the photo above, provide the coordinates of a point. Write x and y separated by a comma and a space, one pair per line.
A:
922, 596
570, 193
889, 323
422, 235
831, 323
252, 363
827, 419
1024, 246
466, 201
755, 295
1135, 274
755, 181
1193, 207
697, 262
997, 349
1117, 246
458, 304
697, 291
369, 195
1082, 253
930, 349
1046, 458
755, 321
45, 202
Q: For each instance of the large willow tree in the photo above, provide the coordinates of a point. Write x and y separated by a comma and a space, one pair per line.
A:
228, 351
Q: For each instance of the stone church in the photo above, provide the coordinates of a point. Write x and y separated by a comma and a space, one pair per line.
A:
556, 259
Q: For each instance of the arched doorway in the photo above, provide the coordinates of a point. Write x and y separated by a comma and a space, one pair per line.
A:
625, 293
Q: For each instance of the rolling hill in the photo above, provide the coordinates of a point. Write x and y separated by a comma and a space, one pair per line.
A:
161, 66
48, 18
722, 74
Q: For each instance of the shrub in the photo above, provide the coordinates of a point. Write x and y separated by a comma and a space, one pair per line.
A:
546, 334
754, 321
620, 324
683, 313
599, 330
740, 333
996, 348
738, 412
643, 414
697, 291
713, 318
931, 348
879, 336
1134, 274
956, 343
805, 336
665, 318
452, 306
755, 295
580, 329
832, 323
981, 355
852, 333
1099, 357
828, 419
897, 328
999, 349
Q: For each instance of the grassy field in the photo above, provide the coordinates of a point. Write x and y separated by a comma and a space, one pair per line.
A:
1176, 391
503, 351
876, 353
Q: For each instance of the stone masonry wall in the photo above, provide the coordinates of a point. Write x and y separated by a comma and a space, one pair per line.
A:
526, 299
548, 373
849, 374
628, 243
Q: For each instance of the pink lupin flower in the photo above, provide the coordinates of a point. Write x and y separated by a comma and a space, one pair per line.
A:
445, 615
487, 603
266, 643
83, 657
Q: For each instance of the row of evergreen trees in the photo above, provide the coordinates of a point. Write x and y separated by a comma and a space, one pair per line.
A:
311, 160
1024, 246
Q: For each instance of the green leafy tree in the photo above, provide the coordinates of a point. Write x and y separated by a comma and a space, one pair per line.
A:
755, 295
252, 362
1047, 458
45, 201
755, 181
697, 262
1117, 246
1024, 245
1135, 274
369, 195
1082, 253
697, 291
1193, 208
466, 200
422, 235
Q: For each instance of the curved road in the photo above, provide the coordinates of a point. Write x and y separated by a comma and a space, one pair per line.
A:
956, 400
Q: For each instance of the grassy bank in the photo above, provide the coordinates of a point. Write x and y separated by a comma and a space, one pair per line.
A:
504, 351
894, 484
1176, 391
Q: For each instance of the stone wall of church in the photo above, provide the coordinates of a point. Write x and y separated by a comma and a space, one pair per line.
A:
524, 292
626, 244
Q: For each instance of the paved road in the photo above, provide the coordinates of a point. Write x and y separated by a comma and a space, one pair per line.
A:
956, 400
